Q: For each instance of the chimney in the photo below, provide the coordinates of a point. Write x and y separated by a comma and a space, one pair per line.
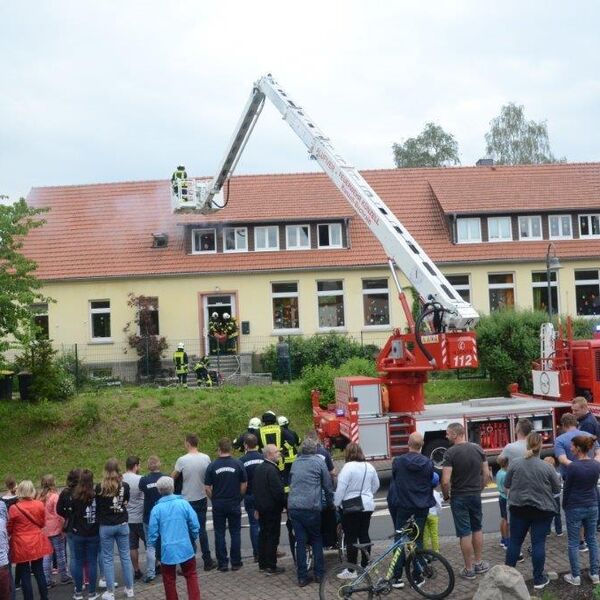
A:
485, 162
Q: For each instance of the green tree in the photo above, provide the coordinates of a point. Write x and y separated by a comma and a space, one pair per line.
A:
19, 287
433, 147
512, 140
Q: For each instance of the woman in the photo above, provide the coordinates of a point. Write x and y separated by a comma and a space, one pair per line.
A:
28, 544
581, 506
357, 479
65, 509
112, 496
531, 484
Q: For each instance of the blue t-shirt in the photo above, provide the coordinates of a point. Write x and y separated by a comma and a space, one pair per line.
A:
500, 477
562, 445
251, 460
151, 495
580, 484
225, 474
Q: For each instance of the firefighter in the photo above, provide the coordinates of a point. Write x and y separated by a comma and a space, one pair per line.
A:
201, 368
253, 428
179, 180
272, 433
180, 358
284, 423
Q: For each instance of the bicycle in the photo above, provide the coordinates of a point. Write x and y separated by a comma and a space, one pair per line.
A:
428, 572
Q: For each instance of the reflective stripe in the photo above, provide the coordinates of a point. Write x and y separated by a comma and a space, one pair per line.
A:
180, 366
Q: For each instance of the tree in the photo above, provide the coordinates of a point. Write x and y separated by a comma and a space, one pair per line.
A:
512, 140
433, 147
19, 288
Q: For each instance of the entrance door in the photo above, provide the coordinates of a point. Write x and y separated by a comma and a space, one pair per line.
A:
220, 304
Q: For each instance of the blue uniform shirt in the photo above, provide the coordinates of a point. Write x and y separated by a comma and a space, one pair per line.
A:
225, 474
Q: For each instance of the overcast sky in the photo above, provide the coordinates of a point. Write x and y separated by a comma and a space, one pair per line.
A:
113, 91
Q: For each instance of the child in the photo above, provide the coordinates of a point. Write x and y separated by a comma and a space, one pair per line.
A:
500, 477
431, 540
557, 518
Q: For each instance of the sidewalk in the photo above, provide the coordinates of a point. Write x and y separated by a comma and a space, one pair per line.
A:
248, 582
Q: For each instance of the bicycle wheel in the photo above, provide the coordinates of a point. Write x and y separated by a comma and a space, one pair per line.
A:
430, 574
344, 581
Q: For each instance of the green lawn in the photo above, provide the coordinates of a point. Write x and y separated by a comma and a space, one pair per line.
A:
96, 425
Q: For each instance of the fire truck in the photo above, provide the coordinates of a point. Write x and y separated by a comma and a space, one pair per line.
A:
381, 412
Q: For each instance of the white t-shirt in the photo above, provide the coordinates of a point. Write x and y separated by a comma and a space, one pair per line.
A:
192, 468
437, 509
135, 507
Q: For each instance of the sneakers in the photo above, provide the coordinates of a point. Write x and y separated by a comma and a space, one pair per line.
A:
108, 596
583, 547
223, 569
275, 571
77, 596
94, 596
138, 575
129, 592
102, 583
210, 565
521, 558
397, 584
542, 584
481, 567
149, 579
236, 567
466, 574
305, 582
67, 579
560, 533
348, 574
595, 579
572, 580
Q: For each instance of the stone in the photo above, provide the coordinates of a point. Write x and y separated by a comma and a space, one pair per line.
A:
502, 583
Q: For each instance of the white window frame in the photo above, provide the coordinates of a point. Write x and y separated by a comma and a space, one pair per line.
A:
461, 286
200, 231
98, 311
331, 293
588, 216
544, 284
236, 232
296, 228
579, 282
368, 292
503, 286
266, 229
329, 227
561, 236
529, 228
295, 294
468, 239
500, 239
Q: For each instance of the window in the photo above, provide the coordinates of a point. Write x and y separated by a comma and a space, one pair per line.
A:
297, 237
204, 240
539, 283
330, 235
560, 227
235, 239
266, 238
499, 229
40, 320
100, 319
148, 317
589, 225
530, 228
468, 230
330, 296
587, 292
285, 305
502, 291
461, 284
376, 302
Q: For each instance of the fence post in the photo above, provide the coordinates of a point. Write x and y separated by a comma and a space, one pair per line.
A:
147, 358
362, 342
76, 368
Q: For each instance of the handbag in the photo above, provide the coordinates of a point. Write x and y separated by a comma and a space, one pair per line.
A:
354, 505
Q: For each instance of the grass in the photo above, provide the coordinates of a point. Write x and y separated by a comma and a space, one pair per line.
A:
96, 425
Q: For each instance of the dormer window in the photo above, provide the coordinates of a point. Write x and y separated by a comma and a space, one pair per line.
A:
204, 241
330, 235
589, 226
235, 239
530, 228
499, 229
468, 230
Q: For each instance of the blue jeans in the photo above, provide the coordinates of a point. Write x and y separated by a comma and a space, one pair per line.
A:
588, 519
518, 530
200, 507
228, 515
557, 517
85, 549
253, 522
307, 529
109, 534
150, 555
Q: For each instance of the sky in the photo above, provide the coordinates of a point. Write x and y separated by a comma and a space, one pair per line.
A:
121, 91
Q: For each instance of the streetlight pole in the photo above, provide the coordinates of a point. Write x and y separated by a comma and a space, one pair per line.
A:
552, 266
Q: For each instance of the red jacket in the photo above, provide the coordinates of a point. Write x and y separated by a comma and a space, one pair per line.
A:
26, 520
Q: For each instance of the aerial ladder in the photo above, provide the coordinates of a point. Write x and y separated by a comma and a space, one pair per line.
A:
442, 336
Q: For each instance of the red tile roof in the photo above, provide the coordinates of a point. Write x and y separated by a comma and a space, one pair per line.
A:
105, 230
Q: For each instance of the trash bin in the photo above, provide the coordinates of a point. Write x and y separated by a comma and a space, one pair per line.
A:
25, 381
6, 385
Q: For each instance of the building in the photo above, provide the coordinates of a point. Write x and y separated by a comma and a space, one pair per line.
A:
288, 255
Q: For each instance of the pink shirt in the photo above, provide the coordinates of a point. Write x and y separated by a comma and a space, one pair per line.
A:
54, 522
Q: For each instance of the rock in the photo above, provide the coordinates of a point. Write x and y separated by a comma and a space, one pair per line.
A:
502, 583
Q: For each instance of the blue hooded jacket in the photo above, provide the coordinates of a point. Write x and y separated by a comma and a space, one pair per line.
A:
412, 475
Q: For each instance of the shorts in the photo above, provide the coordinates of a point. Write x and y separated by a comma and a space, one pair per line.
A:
136, 533
466, 512
502, 504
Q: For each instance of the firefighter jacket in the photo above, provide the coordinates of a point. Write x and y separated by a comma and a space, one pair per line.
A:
274, 434
180, 358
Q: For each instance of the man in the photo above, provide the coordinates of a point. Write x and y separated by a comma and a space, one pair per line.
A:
283, 360
225, 483
5, 574
284, 423
465, 473
253, 428
518, 449
180, 358
269, 501
586, 421
309, 482
272, 433
323, 453
191, 468
174, 522
251, 460
135, 512
412, 475
562, 445
179, 178
147, 485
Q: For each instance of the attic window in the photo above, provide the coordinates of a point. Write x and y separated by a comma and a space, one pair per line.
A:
160, 240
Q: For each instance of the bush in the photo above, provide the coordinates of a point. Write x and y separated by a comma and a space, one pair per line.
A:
69, 363
44, 414
88, 416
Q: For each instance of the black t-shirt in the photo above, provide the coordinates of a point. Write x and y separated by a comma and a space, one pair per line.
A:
151, 494
466, 460
112, 510
251, 460
225, 474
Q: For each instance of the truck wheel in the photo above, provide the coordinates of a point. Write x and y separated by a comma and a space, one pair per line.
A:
436, 451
